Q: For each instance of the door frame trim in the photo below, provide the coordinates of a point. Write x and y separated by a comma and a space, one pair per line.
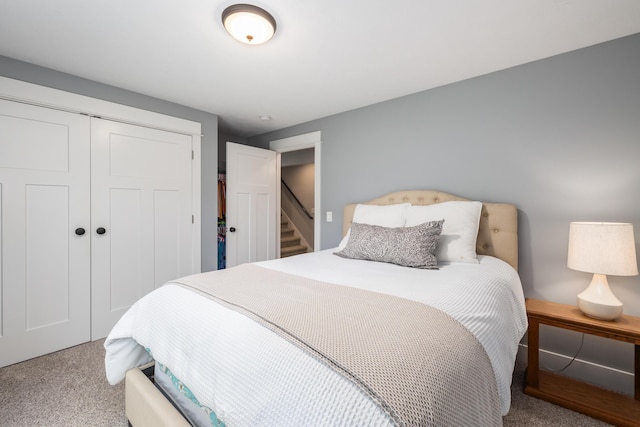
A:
43, 96
295, 143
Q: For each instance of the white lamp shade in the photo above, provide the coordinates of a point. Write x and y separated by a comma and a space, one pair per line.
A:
248, 24
602, 248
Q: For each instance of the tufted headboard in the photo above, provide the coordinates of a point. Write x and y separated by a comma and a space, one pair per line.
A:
498, 234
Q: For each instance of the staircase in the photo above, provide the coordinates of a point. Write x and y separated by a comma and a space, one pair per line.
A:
290, 241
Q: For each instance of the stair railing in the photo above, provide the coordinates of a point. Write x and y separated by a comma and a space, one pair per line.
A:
297, 200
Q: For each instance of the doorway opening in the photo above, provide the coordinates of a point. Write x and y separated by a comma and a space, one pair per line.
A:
297, 208
299, 170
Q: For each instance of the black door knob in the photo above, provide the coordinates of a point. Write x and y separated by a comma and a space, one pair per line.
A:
101, 230
80, 231
232, 230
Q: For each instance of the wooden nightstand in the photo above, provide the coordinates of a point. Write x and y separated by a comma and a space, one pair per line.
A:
614, 408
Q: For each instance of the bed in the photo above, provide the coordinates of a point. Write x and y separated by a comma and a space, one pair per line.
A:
411, 320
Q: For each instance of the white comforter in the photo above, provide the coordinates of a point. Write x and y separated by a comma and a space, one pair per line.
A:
249, 376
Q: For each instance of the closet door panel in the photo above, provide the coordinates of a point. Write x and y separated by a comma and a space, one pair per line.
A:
46, 255
31, 144
45, 266
166, 236
141, 196
126, 247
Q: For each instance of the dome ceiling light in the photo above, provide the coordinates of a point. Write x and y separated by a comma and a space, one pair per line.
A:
248, 24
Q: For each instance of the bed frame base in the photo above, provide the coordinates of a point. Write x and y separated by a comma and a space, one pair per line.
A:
145, 405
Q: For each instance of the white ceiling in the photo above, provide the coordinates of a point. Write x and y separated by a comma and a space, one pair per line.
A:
328, 56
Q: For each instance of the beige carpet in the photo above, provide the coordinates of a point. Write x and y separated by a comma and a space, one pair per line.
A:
68, 388
529, 411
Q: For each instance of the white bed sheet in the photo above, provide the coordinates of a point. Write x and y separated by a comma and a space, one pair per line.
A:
269, 381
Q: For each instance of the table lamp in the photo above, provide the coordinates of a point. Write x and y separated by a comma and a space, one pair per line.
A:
601, 248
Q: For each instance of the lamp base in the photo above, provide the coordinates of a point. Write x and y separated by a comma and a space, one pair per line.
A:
598, 301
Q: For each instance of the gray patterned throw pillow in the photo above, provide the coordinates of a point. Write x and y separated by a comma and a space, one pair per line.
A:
406, 246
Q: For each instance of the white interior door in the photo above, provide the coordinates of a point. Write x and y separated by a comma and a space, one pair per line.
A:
44, 199
252, 208
141, 215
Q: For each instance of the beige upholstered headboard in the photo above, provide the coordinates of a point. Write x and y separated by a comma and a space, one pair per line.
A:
498, 234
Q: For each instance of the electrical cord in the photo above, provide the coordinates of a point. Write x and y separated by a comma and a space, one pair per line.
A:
572, 360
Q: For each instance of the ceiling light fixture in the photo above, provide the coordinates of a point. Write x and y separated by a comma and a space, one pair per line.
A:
248, 24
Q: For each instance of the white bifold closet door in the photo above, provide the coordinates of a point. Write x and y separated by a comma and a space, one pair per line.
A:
141, 199
45, 278
94, 214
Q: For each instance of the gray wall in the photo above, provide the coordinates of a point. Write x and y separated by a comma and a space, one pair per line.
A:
559, 138
46, 77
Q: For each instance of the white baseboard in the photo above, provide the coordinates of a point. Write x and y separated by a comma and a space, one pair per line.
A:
600, 375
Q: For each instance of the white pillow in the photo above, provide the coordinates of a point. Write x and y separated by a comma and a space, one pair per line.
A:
460, 229
391, 216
